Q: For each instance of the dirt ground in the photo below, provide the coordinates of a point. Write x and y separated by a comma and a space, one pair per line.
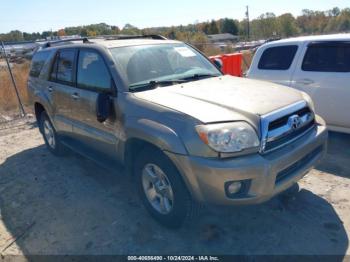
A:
69, 205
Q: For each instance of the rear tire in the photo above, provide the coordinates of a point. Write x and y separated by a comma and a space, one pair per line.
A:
157, 178
51, 138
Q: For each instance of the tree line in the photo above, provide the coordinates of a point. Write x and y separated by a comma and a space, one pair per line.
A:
266, 26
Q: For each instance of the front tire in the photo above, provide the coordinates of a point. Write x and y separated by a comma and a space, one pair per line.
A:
50, 136
291, 192
161, 189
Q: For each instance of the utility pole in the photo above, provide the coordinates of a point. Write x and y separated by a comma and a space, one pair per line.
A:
248, 23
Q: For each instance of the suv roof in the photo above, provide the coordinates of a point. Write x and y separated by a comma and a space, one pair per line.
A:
131, 42
333, 37
111, 41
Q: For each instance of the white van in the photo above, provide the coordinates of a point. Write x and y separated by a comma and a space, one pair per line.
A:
317, 65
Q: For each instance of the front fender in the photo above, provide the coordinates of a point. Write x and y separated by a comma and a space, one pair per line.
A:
155, 133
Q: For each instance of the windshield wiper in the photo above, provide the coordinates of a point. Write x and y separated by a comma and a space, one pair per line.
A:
154, 84
198, 77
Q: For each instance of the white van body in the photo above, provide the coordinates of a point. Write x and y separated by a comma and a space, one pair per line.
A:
317, 65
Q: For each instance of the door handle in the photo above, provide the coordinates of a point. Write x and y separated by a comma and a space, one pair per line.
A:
305, 81
75, 96
50, 89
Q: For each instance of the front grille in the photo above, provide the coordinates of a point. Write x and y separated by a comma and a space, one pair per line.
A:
289, 137
299, 165
284, 120
286, 125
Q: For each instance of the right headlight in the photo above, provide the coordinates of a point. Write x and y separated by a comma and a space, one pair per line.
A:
228, 137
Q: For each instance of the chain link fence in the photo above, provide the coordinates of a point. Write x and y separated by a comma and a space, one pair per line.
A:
14, 71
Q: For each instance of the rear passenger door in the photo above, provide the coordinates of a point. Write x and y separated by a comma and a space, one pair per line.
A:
324, 73
61, 86
275, 63
93, 78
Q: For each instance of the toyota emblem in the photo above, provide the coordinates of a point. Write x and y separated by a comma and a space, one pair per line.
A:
294, 122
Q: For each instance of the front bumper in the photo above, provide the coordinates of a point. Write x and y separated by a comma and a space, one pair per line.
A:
267, 175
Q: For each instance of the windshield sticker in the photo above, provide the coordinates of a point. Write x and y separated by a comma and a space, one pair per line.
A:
185, 52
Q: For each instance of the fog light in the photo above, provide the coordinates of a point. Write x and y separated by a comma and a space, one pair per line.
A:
234, 188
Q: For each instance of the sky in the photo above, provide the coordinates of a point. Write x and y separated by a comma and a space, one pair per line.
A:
44, 15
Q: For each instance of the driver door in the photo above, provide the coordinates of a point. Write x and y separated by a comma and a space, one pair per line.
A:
93, 78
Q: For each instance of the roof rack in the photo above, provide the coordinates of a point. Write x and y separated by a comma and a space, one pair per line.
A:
125, 37
50, 43
105, 37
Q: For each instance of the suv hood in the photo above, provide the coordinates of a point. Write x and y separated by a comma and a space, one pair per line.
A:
225, 98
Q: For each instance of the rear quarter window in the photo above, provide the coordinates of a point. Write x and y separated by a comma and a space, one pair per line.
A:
62, 70
327, 57
277, 58
38, 62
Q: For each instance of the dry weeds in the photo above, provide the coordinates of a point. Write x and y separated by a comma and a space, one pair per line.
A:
8, 99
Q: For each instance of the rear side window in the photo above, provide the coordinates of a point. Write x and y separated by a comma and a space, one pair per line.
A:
62, 70
327, 57
38, 63
92, 71
278, 58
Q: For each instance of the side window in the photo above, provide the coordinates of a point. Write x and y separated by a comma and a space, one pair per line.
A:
62, 70
92, 71
327, 57
278, 58
38, 63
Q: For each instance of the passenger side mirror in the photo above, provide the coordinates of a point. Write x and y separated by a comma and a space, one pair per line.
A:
103, 107
218, 63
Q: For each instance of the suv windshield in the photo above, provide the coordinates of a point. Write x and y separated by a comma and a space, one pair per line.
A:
149, 66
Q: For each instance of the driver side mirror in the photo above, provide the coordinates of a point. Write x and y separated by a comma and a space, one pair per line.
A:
218, 63
103, 107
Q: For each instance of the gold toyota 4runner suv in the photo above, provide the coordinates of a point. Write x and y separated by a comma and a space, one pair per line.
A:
186, 133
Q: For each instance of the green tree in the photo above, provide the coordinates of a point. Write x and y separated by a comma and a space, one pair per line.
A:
14, 35
213, 28
206, 28
287, 25
115, 30
129, 29
199, 40
228, 26
334, 12
171, 34
265, 26
46, 34
311, 22
343, 21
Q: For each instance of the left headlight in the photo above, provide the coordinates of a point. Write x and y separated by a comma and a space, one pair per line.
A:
228, 137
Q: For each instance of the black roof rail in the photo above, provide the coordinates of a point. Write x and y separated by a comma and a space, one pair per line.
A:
50, 43
125, 37
106, 37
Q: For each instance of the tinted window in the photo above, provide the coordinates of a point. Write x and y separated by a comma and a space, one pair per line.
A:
92, 71
277, 58
65, 66
327, 57
38, 63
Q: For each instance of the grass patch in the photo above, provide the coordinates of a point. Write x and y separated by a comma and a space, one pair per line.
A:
8, 99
